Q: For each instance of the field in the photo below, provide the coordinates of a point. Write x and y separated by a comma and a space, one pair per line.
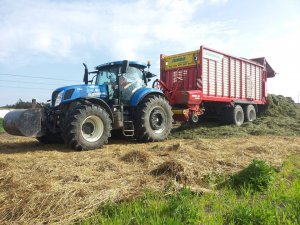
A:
268, 197
43, 184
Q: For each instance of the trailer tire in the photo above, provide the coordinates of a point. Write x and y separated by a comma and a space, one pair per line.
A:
88, 127
233, 115
153, 120
238, 115
194, 119
250, 113
50, 138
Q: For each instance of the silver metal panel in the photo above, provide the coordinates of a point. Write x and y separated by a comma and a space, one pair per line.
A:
260, 83
238, 79
226, 77
243, 80
219, 78
212, 77
249, 81
253, 81
232, 77
205, 76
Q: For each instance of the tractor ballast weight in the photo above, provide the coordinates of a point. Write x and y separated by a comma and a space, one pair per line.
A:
24, 122
83, 116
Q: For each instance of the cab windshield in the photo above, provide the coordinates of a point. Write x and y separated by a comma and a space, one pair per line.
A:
129, 82
107, 76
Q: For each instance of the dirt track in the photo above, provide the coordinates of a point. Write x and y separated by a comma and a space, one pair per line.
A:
46, 184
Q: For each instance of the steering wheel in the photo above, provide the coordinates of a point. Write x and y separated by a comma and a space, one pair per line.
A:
129, 84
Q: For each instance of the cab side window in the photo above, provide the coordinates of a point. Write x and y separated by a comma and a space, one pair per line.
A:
130, 82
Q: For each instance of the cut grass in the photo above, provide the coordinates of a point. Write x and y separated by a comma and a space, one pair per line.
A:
278, 204
282, 117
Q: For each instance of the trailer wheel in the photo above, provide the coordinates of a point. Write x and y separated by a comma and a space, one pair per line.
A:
233, 115
153, 120
88, 127
50, 138
250, 113
194, 119
238, 115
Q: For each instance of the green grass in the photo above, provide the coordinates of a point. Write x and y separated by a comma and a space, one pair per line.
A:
256, 177
277, 203
282, 117
1, 125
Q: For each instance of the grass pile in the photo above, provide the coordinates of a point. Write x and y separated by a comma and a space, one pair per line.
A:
281, 117
277, 203
172, 169
256, 177
136, 156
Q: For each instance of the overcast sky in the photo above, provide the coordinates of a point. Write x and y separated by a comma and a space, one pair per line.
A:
51, 38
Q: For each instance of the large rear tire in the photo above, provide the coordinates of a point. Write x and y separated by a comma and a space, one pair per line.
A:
88, 127
250, 113
154, 118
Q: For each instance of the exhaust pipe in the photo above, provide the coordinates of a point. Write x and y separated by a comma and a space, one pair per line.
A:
24, 122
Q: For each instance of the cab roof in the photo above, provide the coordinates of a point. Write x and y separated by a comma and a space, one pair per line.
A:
119, 63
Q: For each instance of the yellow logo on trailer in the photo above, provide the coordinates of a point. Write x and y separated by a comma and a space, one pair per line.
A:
181, 60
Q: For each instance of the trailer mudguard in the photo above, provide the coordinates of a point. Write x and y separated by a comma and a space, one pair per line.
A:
24, 122
142, 93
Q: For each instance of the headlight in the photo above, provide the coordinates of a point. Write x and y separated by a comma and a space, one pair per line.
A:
58, 98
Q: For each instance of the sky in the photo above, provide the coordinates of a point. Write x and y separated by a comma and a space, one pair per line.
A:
44, 42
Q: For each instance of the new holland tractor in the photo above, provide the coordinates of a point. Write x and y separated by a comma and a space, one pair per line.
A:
114, 97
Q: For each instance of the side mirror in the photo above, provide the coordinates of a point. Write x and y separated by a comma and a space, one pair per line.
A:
150, 75
124, 67
86, 74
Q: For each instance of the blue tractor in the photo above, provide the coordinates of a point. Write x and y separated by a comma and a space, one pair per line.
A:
115, 99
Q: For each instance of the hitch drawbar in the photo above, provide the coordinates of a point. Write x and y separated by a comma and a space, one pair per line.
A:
24, 122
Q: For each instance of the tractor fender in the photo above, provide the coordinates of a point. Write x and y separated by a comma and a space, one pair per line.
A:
99, 102
140, 94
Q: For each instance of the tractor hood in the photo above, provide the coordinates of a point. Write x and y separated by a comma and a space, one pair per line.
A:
70, 93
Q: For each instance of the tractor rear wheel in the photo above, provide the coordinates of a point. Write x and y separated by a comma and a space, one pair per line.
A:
88, 127
153, 120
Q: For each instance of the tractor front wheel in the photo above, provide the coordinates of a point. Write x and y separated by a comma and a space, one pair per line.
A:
88, 127
154, 119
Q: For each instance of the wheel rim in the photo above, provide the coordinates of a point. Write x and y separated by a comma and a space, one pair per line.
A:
92, 128
157, 119
194, 118
239, 117
252, 115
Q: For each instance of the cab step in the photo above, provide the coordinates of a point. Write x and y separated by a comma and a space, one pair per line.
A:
128, 128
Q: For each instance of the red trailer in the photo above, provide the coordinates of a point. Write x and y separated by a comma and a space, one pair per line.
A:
215, 82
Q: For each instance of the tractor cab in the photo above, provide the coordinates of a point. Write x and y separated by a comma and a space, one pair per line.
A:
122, 78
